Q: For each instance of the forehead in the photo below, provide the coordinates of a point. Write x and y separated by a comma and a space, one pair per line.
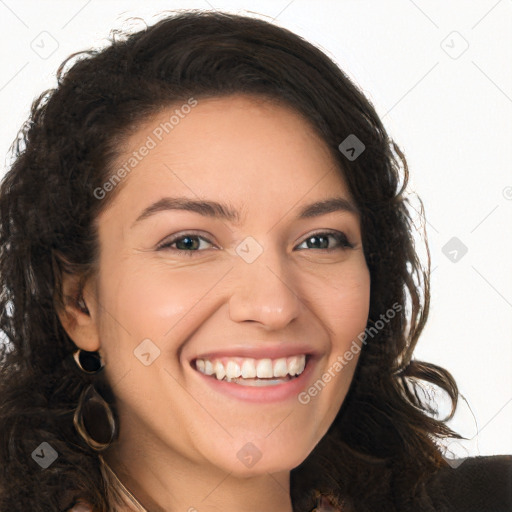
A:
230, 121
238, 147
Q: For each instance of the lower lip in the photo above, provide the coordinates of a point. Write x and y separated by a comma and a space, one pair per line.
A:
262, 394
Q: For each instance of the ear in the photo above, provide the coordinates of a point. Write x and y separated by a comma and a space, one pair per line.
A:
78, 315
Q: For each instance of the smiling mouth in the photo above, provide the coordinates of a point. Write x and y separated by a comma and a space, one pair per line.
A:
252, 372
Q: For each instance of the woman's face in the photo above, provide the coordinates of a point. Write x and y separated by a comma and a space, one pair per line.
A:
181, 281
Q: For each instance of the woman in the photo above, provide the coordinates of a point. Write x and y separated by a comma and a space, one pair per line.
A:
210, 290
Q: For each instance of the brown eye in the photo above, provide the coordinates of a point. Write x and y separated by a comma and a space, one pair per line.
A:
185, 244
321, 241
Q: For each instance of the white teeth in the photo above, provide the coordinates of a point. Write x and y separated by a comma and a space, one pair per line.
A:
258, 383
264, 369
208, 367
302, 365
280, 368
219, 370
248, 368
294, 366
233, 370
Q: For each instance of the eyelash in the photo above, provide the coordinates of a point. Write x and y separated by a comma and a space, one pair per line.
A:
340, 237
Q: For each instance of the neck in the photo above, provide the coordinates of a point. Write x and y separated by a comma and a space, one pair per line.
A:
162, 480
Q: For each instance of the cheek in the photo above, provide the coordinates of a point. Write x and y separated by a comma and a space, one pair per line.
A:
149, 299
344, 305
344, 309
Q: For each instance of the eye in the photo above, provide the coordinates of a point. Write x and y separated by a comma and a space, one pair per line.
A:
190, 243
186, 244
321, 241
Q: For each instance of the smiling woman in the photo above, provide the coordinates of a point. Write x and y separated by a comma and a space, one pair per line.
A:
210, 292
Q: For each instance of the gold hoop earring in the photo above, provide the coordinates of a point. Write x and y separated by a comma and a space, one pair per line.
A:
93, 403
94, 406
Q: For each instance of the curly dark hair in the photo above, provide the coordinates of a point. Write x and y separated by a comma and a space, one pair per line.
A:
385, 438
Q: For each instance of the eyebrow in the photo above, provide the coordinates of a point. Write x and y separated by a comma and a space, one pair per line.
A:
218, 210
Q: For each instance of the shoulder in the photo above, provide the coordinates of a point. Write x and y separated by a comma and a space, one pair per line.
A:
479, 484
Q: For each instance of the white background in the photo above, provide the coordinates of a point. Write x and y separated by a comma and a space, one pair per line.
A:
449, 108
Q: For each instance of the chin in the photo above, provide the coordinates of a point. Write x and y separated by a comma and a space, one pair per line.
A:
262, 457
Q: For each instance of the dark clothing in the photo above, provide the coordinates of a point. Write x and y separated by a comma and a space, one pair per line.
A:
478, 484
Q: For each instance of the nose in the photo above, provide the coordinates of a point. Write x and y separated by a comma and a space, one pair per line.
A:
264, 292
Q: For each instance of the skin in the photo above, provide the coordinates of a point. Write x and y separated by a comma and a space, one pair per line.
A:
179, 439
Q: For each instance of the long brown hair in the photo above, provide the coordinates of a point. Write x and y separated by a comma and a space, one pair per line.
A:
384, 439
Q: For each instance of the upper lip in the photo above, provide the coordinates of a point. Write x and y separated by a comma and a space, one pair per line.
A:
264, 350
